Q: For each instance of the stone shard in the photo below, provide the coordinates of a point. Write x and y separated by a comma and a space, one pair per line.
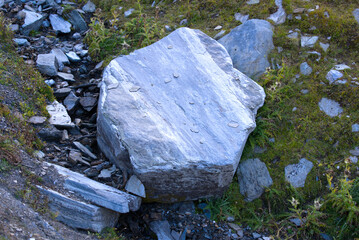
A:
296, 174
333, 75
59, 24
32, 22
98, 193
59, 116
175, 136
78, 214
89, 7
77, 21
305, 69
84, 149
162, 229
330, 107
47, 64
135, 186
60, 56
249, 45
279, 16
308, 41
253, 177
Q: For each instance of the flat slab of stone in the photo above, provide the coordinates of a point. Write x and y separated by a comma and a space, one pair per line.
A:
59, 116
279, 16
249, 45
60, 56
98, 193
178, 115
47, 64
135, 186
59, 24
330, 107
308, 41
77, 21
296, 174
78, 214
32, 22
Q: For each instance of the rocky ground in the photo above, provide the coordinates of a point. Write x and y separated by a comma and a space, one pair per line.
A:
56, 48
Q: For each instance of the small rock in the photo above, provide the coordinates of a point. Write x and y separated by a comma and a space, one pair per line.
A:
308, 41
60, 56
71, 102
220, 34
50, 134
184, 22
135, 186
305, 69
21, 42
66, 76
2, 3
84, 149
324, 46
304, 91
250, 2
326, 236
72, 56
32, 21
59, 24
218, 28
50, 82
168, 28
333, 75
298, 10
355, 127
129, 12
77, 21
356, 14
88, 103
330, 107
62, 92
240, 17
74, 157
353, 159
37, 120
256, 235
279, 16
296, 174
39, 154
162, 229
47, 64
355, 151
293, 35
89, 7
76, 36
106, 173
296, 221
65, 135
341, 67
14, 27
58, 115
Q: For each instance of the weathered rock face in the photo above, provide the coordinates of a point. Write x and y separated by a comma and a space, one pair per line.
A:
249, 45
177, 115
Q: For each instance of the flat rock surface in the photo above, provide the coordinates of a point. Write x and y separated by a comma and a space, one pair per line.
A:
330, 107
296, 174
178, 114
59, 116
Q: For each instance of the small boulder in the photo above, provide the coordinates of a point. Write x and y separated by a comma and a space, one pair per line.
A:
330, 107
47, 64
333, 75
60, 56
249, 45
305, 69
32, 22
59, 116
308, 41
73, 57
37, 120
253, 178
89, 7
296, 174
77, 21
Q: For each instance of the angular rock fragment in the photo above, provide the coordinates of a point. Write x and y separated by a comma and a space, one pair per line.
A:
98, 193
356, 14
59, 116
89, 7
84, 149
88, 103
77, 21
253, 177
162, 230
71, 102
333, 75
47, 64
66, 76
308, 41
59, 24
135, 186
279, 16
37, 120
305, 69
60, 56
175, 136
296, 174
32, 22
78, 214
249, 45
330, 107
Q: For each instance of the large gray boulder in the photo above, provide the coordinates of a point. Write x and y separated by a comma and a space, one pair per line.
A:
253, 178
249, 45
177, 115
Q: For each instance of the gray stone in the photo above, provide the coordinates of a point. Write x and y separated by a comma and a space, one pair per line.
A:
162, 230
293, 35
59, 116
279, 16
129, 12
249, 45
98, 193
296, 174
60, 56
62, 92
88, 103
14, 27
184, 22
333, 75
308, 41
324, 46
183, 137
47, 64
304, 91
85, 150
353, 159
355, 127
72, 56
50, 82
89, 7
168, 28
330, 107
37, 120
2, 3
59, 24
74, 157
71, 102
296, 221
341, 67
356, 14
135, 186
21, 41
106, 173
253, 178
66, 76
77, 21
220, 34
240, 17
50, 134
32, 22
256, 235
305, 69
251, 2
355, 151
78, 214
